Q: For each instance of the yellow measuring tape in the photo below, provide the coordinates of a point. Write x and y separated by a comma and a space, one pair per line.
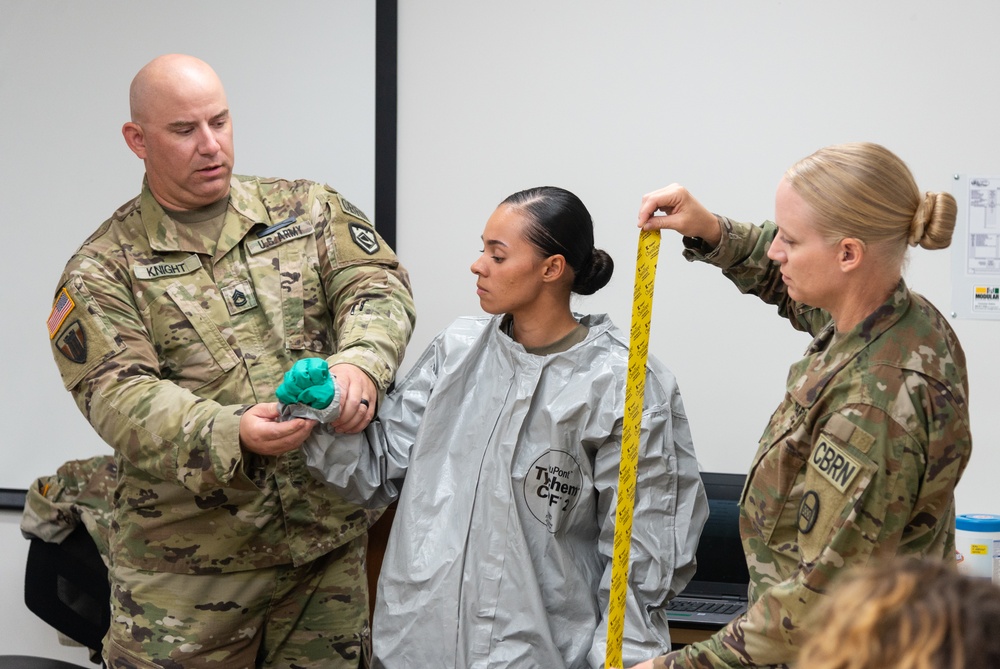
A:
638, 352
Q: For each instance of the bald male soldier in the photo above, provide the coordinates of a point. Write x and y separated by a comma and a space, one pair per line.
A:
171, 327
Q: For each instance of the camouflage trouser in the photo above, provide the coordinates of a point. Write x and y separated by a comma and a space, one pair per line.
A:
310, 616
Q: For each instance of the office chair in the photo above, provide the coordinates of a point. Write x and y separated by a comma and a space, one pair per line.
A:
66, 585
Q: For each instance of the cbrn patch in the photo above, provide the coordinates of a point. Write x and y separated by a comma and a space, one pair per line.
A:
834, 464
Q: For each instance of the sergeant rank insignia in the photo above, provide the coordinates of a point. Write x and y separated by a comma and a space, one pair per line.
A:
239, 297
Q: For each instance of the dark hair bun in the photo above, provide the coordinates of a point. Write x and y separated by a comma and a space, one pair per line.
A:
594, 274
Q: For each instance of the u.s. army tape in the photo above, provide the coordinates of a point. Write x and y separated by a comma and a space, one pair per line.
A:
638, 352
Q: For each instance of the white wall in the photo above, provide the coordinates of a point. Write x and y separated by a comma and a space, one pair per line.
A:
612, 100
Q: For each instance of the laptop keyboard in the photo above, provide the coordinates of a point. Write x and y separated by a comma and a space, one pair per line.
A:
702, 606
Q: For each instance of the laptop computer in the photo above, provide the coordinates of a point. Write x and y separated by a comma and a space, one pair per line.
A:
718, 591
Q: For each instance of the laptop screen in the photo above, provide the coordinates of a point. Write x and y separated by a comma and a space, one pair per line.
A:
722, 565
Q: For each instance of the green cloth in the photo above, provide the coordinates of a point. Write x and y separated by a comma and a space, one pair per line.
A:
307, 382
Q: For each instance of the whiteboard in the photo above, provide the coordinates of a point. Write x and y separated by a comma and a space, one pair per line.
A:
300, 79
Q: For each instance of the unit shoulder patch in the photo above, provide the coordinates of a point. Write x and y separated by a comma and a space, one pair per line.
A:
808, 511
72, 343
364, 237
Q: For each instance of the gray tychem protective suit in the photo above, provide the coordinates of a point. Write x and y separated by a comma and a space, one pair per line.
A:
500, 552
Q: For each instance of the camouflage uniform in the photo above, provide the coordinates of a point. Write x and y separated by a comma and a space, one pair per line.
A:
79, 492
164, 346
858, 463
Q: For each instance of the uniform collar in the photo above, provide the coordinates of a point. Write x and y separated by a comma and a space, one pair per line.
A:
245, 211
596, 324
827, 355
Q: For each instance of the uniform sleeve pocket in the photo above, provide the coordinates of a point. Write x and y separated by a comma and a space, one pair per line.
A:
81, 335
837, 477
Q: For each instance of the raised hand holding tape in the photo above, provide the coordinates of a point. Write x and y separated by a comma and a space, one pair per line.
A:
638, 352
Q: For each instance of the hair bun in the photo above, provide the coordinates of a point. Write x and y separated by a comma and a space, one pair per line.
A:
921, 217
595, 273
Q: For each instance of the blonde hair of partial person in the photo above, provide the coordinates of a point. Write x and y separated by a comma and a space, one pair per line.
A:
906, 614
863, 190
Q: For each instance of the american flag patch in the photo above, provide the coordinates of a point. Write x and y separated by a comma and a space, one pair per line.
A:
60, 310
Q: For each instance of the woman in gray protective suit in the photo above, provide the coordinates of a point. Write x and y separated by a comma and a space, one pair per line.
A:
507, 431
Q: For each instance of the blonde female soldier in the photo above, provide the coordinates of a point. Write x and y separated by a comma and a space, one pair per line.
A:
861, 458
